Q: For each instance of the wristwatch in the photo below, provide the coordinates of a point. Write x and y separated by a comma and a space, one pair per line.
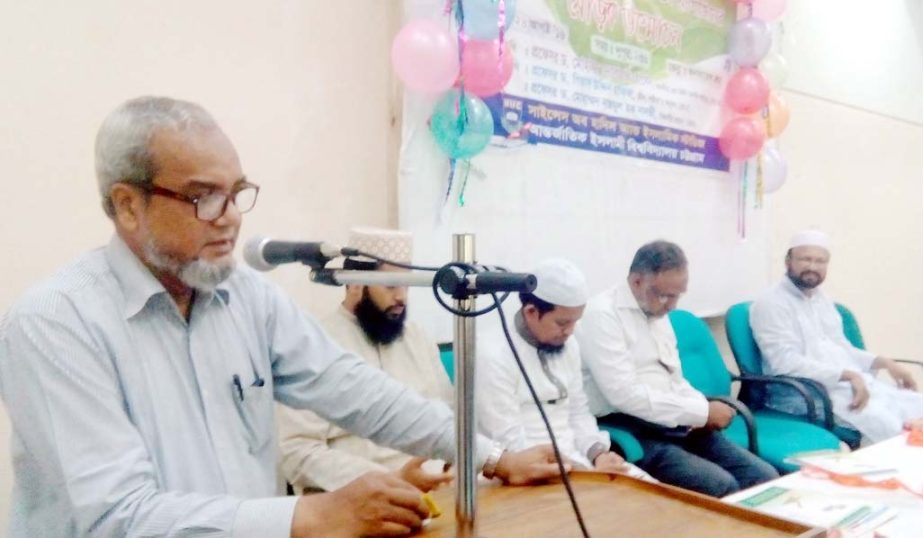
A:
493, 458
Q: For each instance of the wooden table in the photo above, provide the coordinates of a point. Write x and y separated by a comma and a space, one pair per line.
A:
612, 505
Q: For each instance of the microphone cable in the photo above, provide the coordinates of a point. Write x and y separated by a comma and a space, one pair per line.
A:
349, 252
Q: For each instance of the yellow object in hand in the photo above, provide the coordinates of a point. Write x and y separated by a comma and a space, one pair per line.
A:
434, 510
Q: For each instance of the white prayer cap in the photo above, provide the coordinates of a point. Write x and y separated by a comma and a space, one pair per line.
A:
810, 238
394, 245
560, 283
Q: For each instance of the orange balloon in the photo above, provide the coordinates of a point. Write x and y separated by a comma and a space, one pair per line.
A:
777, 116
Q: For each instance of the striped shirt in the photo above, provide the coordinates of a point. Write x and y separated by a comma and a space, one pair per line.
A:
130, 421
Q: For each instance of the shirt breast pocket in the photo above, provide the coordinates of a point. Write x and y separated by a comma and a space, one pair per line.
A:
255, 408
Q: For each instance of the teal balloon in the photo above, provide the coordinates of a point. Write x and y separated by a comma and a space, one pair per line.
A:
482, 18
461, 129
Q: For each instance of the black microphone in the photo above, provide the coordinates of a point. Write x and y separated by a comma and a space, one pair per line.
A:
457, 283
263, 253
498, 281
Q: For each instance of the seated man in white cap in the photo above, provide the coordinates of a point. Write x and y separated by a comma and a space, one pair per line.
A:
370, 322
800, 333
634, 380
541, 330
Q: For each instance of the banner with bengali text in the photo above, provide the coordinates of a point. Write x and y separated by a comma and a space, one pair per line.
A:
637, 78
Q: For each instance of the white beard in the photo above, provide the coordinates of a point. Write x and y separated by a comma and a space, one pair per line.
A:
197, 274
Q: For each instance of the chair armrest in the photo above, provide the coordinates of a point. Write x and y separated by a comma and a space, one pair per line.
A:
824, 396
629, 445
799, 386
909, 361
746, 415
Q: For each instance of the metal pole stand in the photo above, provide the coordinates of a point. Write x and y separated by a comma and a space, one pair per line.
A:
466, 494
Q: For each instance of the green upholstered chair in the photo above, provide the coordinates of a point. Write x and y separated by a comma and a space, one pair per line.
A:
851, 327
622, 441
769, 435
753, 382
448, 360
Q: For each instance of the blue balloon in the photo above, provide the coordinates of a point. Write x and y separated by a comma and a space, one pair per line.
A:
462, 129
482, 17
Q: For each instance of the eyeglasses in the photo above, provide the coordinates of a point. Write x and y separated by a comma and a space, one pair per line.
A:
663, 298
211, 206
809, 260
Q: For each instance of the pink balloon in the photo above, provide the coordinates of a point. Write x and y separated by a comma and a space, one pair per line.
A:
741, 139
483, 70
747, 91
425, 56
768, 10
744, 1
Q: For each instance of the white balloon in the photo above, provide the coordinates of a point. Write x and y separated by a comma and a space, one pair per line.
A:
748, 41
775, 67
775, 169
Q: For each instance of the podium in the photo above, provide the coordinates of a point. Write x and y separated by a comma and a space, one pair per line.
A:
612, 505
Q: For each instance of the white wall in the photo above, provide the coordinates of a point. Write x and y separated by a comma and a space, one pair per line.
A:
865, 54
303, 87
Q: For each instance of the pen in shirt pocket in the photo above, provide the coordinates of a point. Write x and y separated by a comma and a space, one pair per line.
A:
257, 382
239, 387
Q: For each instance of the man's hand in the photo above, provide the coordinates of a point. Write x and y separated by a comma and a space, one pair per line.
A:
720, 415
610, 462
377, 504
413, 472
860, 393
914, 425
528, 466
901, 376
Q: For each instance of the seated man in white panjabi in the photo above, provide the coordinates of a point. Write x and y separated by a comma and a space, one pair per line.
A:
541, 331
800, 333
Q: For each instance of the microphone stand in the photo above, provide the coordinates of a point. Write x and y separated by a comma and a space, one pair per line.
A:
464, 289
466, 485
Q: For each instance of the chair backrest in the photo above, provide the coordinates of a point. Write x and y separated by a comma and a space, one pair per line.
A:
851, 327
746, 353
446, 355
702, 364
740, 337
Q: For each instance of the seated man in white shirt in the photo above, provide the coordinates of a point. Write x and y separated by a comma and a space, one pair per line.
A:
371, 322
800, 333
634, 380
541, 330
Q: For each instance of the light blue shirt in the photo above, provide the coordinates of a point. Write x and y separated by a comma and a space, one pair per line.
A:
126, 418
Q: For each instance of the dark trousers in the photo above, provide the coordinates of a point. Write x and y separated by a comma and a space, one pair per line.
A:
704, 461
700, 460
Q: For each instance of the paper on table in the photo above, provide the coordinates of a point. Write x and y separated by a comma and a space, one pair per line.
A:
844, 463
855, 518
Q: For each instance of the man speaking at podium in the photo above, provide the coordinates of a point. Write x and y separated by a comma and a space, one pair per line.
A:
140, 378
